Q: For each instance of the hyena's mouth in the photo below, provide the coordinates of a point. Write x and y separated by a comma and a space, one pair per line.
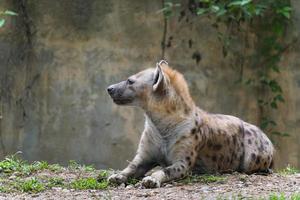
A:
122, 101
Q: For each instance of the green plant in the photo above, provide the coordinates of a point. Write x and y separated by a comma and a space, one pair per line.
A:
295, 196
11, 164
88, 183
55, 167
203, 179
54, 182
132, 181
73, 165
5, 13
32, 186
102, 175
289, 170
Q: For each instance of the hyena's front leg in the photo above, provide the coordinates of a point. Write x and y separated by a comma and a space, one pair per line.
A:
183, 156
136, 168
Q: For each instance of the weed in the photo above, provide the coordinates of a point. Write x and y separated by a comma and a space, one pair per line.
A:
55, 168
10, 164
289, 170
102, 175
88, 183
132, 181
295, 196
32, 186
54, 182
203, 179
73, 165
4, 189
13, 164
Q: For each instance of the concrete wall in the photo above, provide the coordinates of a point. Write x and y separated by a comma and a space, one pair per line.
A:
57, 57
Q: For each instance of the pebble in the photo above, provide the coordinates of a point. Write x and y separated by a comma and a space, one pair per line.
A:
138, 185
65, 190
122, 186
12, 177
35, 195
129, 187
143, 195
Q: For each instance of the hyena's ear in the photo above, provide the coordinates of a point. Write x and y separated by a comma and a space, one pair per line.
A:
159, 79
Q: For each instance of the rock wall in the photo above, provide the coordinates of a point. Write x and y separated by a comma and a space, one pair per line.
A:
57, 58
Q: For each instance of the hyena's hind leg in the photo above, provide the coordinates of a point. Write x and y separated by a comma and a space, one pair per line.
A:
137, 168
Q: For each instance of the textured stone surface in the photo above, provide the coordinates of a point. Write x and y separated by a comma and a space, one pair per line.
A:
57, 58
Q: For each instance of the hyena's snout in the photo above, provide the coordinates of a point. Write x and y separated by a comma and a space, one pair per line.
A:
111, 90
115, 90
120, 94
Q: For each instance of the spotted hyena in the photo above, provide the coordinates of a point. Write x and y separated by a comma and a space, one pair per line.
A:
180, 137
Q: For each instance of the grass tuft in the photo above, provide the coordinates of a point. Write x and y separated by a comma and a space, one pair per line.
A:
289, 170
31, 186
281, 196
203, 179
73, 165
88, 183
55, 182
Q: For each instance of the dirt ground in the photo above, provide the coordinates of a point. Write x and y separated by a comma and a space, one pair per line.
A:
230, 186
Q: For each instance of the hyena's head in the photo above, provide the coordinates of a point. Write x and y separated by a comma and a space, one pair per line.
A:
155, 89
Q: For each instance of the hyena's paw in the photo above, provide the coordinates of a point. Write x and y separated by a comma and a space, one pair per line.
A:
150, 182
117, 179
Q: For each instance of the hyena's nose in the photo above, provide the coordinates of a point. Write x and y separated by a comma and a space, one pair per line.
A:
110, 90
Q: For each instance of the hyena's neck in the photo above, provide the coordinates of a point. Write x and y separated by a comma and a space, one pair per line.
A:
167, 124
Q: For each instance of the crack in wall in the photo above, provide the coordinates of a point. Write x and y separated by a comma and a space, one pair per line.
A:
29, 55
164, 37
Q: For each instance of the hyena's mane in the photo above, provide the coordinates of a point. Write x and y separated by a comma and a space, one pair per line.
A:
180, 86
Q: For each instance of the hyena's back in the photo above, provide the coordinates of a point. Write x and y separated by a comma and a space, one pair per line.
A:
233, 145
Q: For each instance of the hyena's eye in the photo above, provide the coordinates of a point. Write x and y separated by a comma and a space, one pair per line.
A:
130, 81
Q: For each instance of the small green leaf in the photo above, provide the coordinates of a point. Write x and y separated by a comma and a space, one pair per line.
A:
285, 11
205, 1
278, 97
274, 105
201, 11
11, 13
239, 3
221, 12
215, 8
2, 22
275, 68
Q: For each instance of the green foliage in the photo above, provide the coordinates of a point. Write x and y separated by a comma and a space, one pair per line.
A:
13, 164
289, 170
169, 8
281, 196
10, 164
203, 179
6, 13
132, 181
88, 183
32, 186
295, 196
73, 165
103, 175
55, 182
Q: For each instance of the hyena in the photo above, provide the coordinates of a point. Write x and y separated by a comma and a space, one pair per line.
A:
180, 137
